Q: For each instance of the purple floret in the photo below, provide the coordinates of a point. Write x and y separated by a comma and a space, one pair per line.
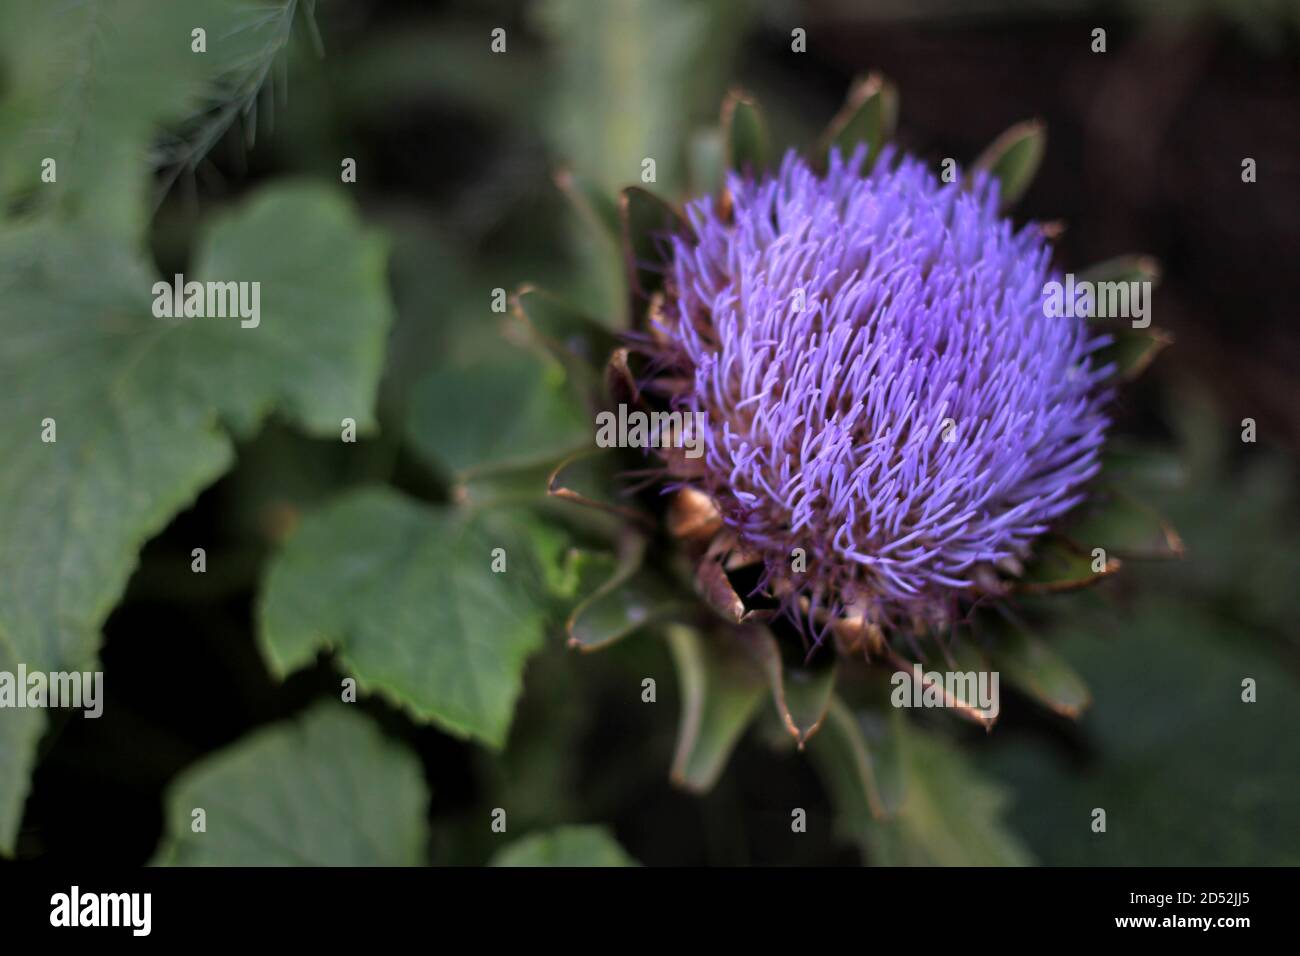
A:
921, 318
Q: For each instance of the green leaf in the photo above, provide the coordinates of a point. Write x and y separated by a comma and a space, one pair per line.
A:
138, 401
631, 598
802, 692
565, 846
581, 492
906, 797
1013, 159
1122, 525
1059, 564
869, 115
512, 411
1138, 466
1243, 515
572, 337
1131, 350
596, 207
707, 162
804, 698
559, 568
720, 691
961, 700
82, 88
581, 571
858, 758
1032, 666
1188, 772
623, 81
744, 134
647, 222
951, 815
514, 486
625, 75
406, 596
325, 789
615, 612
417, 60
1129, 268
590, 480
20, 728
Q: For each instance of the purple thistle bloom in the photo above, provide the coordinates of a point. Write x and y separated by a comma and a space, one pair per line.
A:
881, 386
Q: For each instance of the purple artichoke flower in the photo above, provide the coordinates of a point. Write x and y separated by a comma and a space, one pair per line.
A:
871, 415
890, 419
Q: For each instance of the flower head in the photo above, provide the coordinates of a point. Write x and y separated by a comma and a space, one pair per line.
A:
882, 391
